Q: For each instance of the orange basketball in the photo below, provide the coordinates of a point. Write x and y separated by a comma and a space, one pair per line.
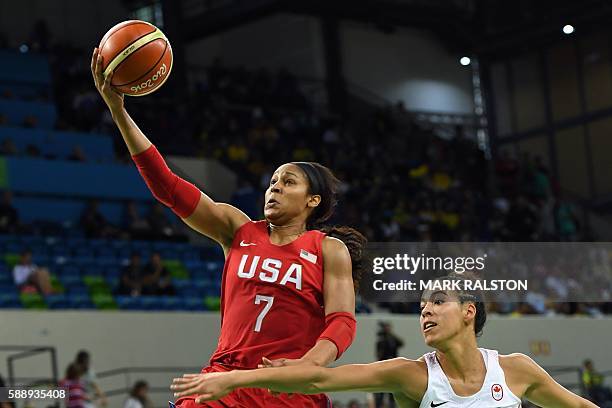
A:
139, 55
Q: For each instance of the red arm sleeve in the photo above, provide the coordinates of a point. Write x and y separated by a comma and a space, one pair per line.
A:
181, 196
340, 328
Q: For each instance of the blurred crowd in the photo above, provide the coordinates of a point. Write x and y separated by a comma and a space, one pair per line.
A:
155, 225
400, 181
81, 381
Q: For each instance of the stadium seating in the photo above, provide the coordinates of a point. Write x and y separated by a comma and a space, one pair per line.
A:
19, 112
24, 68
59, 144
24, 75
85, 271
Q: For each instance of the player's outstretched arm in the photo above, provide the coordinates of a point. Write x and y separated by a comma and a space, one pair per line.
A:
217, 221
398, 375
540, 387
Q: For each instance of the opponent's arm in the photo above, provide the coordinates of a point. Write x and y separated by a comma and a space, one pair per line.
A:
540, 387
398, 375
217, 221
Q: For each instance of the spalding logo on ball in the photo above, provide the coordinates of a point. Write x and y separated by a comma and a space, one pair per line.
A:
139, 56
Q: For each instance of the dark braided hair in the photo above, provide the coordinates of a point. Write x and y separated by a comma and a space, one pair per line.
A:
322, 182
475, 296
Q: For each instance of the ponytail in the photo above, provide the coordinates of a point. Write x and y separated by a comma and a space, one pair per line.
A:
355, 243
322, 181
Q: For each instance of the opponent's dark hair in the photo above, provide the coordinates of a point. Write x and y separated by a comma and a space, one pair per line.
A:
321, 181
475, 296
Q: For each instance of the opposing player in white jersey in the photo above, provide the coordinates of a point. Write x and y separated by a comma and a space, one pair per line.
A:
457, 374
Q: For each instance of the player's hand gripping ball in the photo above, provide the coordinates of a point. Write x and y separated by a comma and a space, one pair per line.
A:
137, 55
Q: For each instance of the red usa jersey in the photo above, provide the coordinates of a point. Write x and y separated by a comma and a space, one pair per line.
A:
271, 297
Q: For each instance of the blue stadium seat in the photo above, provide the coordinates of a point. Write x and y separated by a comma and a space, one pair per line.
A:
59, 301
190, 292
71, 281
193, 303
59, 251
170, 303
76, 288
17, 111
191, 255
94, 270
59, 144
79, 301
214, 268
83, 262
106, 251
107, 261
128, 302
28, 68
15, 247
8, 287
10, 301
149, 302
66, 178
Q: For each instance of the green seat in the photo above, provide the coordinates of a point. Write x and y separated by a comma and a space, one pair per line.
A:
212, 302
57, 285
11, 259
104, 301
32, 301
96, 285
176, 268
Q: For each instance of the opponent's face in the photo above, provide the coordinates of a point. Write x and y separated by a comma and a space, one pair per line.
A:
287, 196
443, 317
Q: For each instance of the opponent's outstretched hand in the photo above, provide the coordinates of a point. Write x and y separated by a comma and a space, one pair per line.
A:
112, 98
207, 387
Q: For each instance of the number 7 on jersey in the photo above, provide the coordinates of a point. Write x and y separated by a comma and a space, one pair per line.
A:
269, 301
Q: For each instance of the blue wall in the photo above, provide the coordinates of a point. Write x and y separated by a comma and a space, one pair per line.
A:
85, 180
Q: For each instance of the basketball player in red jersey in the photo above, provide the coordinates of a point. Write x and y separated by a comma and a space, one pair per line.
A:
287, 294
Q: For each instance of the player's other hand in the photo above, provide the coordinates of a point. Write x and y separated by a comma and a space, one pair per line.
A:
206, 387
112, 98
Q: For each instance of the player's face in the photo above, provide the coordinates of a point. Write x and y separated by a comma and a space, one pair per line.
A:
442, 317
287, 196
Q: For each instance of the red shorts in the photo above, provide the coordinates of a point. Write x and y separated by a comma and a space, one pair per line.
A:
255, 398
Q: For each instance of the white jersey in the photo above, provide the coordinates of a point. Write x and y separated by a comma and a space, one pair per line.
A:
493, 394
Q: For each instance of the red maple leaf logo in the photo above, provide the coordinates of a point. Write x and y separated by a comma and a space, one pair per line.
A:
497, 388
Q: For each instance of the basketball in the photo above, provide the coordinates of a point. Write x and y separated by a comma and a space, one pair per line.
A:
138, 54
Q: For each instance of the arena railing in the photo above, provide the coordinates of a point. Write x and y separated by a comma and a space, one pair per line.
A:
24, 352
128, 373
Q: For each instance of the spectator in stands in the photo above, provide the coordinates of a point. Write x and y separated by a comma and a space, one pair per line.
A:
90, 380
29, 276
8, 147
157, 279
161, 226
32, 150
77, 397
139, 397
137, 226
30, 121
566, 220
592, 381
131, 280
387, 346
94, 224
9, 217
40, 37
77, 155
